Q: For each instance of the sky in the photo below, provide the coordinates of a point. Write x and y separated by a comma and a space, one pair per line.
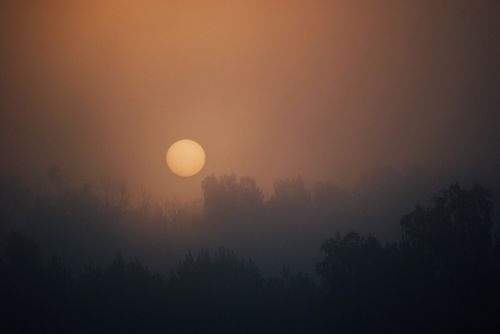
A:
328, 90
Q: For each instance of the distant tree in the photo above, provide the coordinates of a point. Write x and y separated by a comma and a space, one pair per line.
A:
227, 198
291, 196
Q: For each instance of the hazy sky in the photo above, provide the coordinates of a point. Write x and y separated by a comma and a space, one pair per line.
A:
272, 89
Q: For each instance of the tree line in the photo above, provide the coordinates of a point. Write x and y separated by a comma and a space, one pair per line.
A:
441, 275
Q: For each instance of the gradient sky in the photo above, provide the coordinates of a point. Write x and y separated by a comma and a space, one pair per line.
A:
273, 89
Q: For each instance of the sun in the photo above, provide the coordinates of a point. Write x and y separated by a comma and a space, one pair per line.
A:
186, 158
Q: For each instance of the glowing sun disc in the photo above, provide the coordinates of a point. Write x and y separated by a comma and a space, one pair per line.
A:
186, 158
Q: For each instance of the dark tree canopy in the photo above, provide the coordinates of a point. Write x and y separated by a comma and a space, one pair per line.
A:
441, 276
456, 227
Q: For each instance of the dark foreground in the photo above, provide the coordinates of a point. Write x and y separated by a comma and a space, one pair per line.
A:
442, 276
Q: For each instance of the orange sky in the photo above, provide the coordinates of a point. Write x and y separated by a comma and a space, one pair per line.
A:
272, 89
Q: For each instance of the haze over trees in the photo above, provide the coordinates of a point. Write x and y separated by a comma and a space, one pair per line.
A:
86, 260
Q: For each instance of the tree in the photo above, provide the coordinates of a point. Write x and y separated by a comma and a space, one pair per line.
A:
227, 198
292, 196
355, 272
455, 229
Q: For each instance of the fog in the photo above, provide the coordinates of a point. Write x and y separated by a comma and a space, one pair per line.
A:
322, 90
93, 222
352, 176
374, 106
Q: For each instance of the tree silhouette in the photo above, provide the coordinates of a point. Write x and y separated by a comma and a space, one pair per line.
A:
291, 195
442, 275
227, 198
455, 231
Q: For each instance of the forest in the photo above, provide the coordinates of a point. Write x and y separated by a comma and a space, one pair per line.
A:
69, 263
